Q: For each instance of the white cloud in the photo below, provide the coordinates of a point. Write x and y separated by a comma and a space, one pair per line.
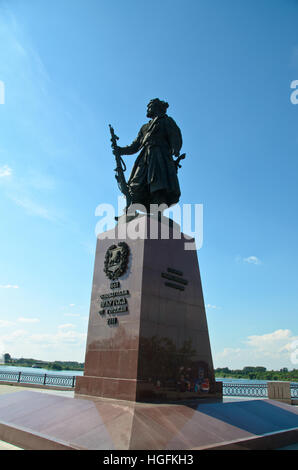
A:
24, 190
269, 341
9, 286
5, 323
66, 326
2, 351
14, 337
32, 208
64, 336
20, 56
252, 260
28, 320
272, 350
64, 344
5, 171
212, 306
227, 352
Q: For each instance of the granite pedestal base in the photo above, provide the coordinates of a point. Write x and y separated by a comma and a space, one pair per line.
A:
148, 336
33, 420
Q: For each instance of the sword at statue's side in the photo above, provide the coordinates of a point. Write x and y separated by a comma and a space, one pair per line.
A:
120, 169
177, 161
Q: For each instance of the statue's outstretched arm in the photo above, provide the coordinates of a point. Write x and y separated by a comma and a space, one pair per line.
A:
134, 147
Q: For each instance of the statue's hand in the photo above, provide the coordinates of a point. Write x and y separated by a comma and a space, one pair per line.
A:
116, 150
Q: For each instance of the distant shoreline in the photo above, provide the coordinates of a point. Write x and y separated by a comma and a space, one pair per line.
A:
272, 375
253, 374
47, 366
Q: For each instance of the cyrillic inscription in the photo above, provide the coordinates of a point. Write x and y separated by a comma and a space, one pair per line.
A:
176, 276
113, 302
114, 294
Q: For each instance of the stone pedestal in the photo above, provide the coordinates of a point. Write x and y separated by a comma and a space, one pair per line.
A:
148, 335
280, 391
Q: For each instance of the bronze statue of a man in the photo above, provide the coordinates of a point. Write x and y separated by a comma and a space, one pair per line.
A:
153, 179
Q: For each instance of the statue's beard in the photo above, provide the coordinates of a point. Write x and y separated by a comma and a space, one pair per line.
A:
152, 114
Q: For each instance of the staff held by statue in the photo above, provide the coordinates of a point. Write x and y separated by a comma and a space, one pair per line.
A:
120, 168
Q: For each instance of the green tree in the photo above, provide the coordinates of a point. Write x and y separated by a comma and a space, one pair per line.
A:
7, 358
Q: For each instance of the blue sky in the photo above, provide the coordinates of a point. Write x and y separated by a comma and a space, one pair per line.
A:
72, 67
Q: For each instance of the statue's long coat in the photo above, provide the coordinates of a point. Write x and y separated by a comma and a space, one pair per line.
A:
154, 169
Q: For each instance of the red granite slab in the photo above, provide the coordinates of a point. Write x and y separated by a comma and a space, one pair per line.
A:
33, 420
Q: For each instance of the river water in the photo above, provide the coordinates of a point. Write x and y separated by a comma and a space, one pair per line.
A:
37, 370
34, 370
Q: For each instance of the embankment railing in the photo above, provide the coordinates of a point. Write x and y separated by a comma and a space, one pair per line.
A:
39, 379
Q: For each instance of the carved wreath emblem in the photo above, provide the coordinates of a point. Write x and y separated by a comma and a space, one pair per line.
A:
116, 260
